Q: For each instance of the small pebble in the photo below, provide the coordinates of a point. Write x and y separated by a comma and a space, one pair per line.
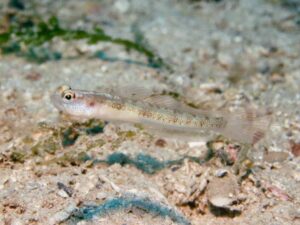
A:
295, 148
67, 190
63, 214
161, 143
221, 173
62, 194
222, 192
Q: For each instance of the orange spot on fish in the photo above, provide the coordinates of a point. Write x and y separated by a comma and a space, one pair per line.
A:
92, 103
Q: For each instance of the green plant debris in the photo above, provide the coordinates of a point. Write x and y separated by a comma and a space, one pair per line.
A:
17, 4
119, 158
40, 55
71, 158
35, 150
64, 137
97, 143
94, 130
127, 134
12, 48
27, 140
17, 156
140, 39
156, 208
149, 164
83, 157
90, 127
49, 145
210, 151
30, 35
69, 137
123, 136
143, 162
173, 94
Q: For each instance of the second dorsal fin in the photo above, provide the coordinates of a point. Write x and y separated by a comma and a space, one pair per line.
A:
129, 91
164, 101
168, 102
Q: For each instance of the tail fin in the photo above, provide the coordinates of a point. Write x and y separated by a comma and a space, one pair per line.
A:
247, 125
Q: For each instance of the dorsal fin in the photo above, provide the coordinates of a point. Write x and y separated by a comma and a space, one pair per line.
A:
130, 92
153, 97
164, 101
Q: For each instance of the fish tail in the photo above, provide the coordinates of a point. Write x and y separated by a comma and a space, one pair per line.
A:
246, 126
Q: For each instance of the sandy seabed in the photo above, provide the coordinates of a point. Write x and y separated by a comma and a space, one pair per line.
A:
54, 170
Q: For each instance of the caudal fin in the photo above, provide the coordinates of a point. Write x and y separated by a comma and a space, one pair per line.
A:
247, 126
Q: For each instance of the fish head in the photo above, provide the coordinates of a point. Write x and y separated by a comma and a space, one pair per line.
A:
72, 102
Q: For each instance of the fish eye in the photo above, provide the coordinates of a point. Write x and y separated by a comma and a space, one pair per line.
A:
69, 96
